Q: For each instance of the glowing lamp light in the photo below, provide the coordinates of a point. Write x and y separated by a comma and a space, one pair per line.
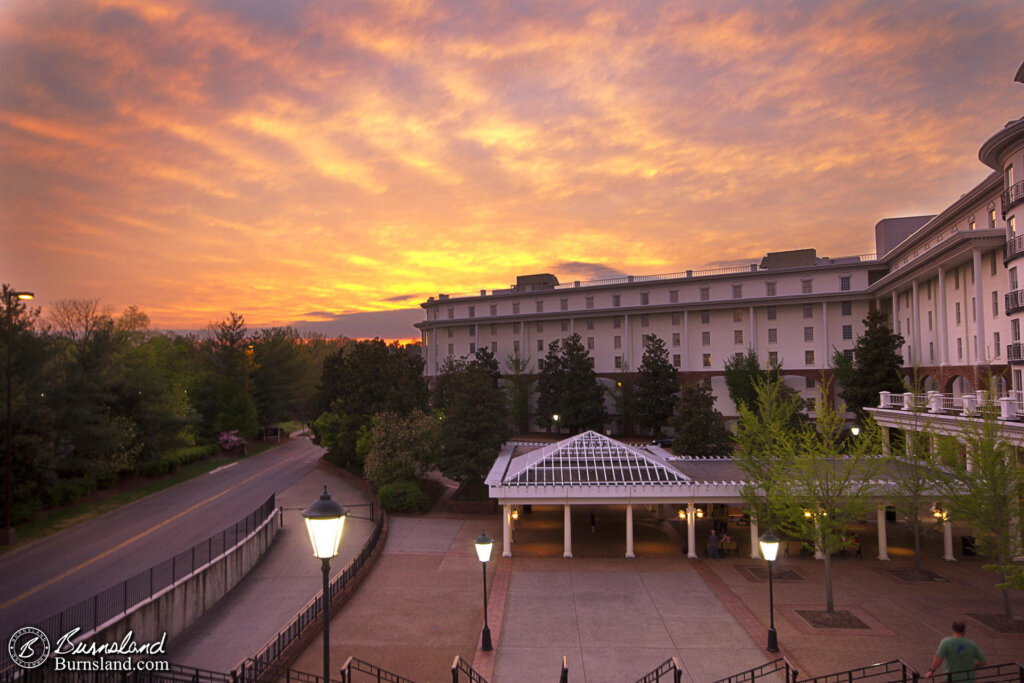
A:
325, 520
24, 296
855, 431
700, 513
682, 513
769, 546
483, 547
555, 417
807, 514
515, 514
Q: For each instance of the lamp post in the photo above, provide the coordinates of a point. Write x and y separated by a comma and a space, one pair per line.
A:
855, 431
555, 418
770, 550
325, 520
483, 552
9, 535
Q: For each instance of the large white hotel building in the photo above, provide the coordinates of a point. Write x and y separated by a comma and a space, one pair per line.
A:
948, 282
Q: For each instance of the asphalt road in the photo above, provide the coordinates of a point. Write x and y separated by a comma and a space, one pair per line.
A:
58, 571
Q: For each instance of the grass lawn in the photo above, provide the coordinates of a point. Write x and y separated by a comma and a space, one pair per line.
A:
122, 493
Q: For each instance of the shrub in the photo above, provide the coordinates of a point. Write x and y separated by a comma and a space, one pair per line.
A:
403, 496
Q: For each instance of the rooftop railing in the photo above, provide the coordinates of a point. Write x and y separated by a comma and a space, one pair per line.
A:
1010, 405
1012, 196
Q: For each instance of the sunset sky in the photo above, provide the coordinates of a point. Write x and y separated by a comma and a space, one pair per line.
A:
300, 161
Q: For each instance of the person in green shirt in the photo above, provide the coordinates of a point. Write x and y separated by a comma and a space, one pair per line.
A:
957, 655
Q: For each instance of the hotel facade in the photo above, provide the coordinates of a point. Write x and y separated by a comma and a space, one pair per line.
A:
952, 284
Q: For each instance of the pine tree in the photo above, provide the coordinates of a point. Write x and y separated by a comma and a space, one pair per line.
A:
582, 399
549, 385
699, 430
875, 366
656, 387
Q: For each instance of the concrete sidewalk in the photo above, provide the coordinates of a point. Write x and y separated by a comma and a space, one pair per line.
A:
282, 583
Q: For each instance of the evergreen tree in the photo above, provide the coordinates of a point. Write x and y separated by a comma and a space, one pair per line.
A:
741, 374
875, 366
519, 387
699, 430
582, 397
656, 387
549, 386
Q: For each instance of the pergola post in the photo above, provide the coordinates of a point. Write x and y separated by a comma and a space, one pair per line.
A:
883, 543
691, 531
506, 529
629, 530
947, 542
567, 525
754, 554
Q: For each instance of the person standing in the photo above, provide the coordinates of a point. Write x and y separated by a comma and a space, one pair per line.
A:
958, 655
593, 522
713, 545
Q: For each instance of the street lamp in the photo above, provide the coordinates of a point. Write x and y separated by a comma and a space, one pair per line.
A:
555, 418
9, 535
769, 551
483, 551
325, 520
855, 431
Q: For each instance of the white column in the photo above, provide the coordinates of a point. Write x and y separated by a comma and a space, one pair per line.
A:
885, 442
506, 533
625, 336
947, 542
567, 525
941, 337
629, 530
826, 357
915, 312
686, 340
752, 341
979, 307
755, 549
883, 543
691, 531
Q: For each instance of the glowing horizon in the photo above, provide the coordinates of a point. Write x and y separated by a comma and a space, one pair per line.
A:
304, 161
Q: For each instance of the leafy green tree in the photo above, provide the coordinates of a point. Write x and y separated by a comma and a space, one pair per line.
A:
223, 390
875, 366
742, 373
401, 447
830, 482
656, 387
699, 429
519, 387
279, 372
984, 487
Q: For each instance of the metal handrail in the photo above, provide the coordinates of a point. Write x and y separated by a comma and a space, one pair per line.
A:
1012, 196
381, 675
907, 673
772, 667
1015, 352
1014, 301
669, 666
1014, 247
996, 673
460, 667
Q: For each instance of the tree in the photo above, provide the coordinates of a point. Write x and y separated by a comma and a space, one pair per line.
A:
741, 374
223, 391
278, 374
830, 482
875, 366
518, 385
401, 447
656, 387
623, 394
699, 430
984, 485
582, 399
549, 386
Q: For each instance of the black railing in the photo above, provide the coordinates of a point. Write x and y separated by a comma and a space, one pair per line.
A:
375, 672
1014, 301
311, 616
763, 671
892, 671
1015, 352
1012, 196
460, 668
997, 673
90, 613
1013, 248
670, 667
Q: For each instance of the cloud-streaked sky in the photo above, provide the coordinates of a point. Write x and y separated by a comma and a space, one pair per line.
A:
305, 159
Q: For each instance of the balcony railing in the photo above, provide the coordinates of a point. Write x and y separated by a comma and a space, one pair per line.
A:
1014, 301
1013, 248
1013, 195
1015, 352
1010, 406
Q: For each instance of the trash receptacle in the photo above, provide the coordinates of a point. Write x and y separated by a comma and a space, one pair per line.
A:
967, 546
890, 513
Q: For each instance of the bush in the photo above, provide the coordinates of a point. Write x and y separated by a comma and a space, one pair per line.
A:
68, 491
173, 459
403, 496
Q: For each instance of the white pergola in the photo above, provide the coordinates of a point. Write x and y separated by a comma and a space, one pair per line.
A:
593, 469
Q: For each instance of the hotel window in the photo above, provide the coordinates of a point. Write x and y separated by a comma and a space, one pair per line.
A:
738, 355
811, 404
618, 362
995, 304
808, 310
847, 331
472, 311
435, 314
908, 327
991, 218
616, 300
737, 315
589, 302
737, 291
957, 309
772, 313
971, 268
515, 346
645, 298
515, 328
540, 326
617, 322
590, 323
931, 351
809, 383
705, 317
737, 336
994, 268
769, 288
1011, 225
773, 335
617, 342
451, 313
705, 338
645, 320
848, 354
706, 360
995, 343
844, 283
806, 286
565, 326
515, 308
975, 345
705, 294
673, 296
471, 330
773, 358
974, 310
494, 309
647, 339
540, 344
677, 360
959, 348
494, 347
808, 334
564, 304
451, 349
451, 332
494, 330
956, 278
540, 306
1015, 331
676, 318
1013, 278
971, 225
808, 357
676, 341
590, 343
847, 307
929, 321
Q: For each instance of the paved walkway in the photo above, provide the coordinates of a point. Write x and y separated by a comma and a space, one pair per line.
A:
279, 586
